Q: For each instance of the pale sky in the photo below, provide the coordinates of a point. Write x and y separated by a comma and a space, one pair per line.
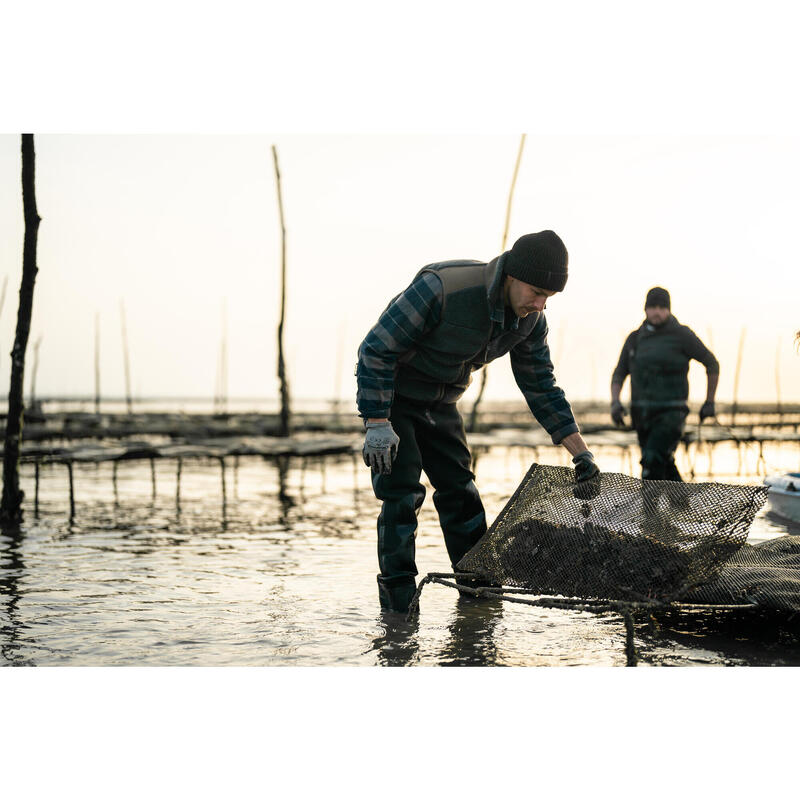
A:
180, 226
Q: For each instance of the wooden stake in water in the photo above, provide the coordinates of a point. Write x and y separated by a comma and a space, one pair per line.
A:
285, 427
11, 504
224, 365
126, 357
71, 492
778, 378
337, 376
178, 484
736, 376
36, 490
221, 391
473, 417
97, 364
224, 489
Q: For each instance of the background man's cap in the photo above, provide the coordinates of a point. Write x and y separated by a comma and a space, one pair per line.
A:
657, 297
539, 259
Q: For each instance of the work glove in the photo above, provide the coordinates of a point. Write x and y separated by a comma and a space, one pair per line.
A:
380, 447
618, 413
587, 476
707, 410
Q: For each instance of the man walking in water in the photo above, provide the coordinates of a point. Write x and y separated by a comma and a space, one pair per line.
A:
416, 362
657, 355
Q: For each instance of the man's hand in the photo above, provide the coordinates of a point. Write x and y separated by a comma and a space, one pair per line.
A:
380, 446
587, 476
585, 468
707, 410
618, 414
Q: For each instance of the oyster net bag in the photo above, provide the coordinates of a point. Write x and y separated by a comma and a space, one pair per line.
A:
619, 538
767, 574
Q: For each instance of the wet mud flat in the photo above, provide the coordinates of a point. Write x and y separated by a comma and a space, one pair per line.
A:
279, 569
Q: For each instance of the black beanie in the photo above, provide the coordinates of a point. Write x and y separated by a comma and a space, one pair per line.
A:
657, 297
539, 259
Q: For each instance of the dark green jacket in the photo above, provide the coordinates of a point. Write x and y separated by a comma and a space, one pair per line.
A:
440, 366
451, 321
657, 360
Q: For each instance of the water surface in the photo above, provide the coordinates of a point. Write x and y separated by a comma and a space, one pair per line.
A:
280, 570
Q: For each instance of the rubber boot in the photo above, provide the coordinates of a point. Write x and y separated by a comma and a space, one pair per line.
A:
395, 593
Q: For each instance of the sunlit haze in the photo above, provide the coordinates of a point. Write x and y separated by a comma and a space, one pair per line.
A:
185, 231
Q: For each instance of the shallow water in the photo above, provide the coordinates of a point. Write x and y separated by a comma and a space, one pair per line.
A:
280, 570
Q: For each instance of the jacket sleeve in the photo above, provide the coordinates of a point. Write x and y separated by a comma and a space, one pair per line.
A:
623, 368
406, 319
533, 372
695, 349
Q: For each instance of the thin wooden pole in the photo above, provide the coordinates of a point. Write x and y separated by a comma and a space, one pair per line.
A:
178, 483
285, 410
34, 371
11, 504
736, 376
126, 358
337, 376
223, 367
36, 490
778, 378
221, 386
71, 492
473, 417
97, 363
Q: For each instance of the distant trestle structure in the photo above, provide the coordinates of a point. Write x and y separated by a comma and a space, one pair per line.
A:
76, 439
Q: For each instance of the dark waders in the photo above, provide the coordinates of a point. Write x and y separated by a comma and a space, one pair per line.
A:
659, 431
432, 438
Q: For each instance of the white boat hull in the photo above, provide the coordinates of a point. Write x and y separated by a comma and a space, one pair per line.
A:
784, 495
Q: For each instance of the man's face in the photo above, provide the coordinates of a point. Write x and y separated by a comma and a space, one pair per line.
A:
656, 315
523, 298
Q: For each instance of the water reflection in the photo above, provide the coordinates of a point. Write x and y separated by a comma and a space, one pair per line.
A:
178, 470
285, 500
224, 495
12, 568
781, 525
471, 633
398, 645
36, 491
470, 637
754, 638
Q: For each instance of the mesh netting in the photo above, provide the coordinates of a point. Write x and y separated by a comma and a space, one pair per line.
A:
767, 574
621, 538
